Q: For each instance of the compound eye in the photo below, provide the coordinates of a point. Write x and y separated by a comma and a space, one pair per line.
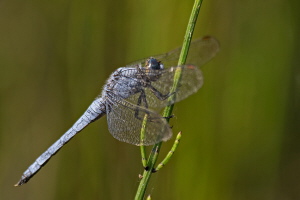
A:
154, 64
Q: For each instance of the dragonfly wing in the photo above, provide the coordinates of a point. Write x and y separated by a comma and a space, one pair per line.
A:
190, 82
125, 121
201, 51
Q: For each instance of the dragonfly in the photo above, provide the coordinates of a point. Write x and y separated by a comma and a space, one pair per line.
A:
134, 94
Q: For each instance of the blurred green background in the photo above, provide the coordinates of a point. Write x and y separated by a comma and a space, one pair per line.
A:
240, 131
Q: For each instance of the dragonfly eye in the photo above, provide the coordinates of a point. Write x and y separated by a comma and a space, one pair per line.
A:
152, 63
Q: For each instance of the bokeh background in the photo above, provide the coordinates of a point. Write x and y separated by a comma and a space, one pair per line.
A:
240, 131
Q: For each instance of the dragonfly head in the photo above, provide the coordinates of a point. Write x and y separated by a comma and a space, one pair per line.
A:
154, 64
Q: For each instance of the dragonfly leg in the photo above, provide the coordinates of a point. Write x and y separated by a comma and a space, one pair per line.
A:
158, 94
141, 99
169, 117
152, 171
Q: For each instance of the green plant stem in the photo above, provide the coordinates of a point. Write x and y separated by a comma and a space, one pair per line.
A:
170, 154
147, 173
142, 147
168, 110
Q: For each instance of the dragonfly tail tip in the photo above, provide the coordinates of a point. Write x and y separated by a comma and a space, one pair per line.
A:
17, 184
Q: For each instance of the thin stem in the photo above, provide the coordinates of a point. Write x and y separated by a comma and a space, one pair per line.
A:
147, 173
168, 110
185, 49
142, 147
169, 155
143, 154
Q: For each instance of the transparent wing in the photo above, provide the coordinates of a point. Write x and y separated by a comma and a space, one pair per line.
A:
125, 122
200, 52
190, 82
